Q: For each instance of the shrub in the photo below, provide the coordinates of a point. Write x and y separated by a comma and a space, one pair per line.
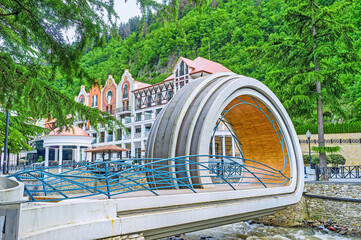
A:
40, 159
334, 159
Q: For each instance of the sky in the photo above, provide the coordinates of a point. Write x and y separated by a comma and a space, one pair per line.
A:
126, 10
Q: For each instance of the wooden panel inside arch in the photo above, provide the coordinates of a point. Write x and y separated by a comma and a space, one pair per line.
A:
257, 136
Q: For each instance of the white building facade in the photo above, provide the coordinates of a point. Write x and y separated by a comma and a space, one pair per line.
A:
137, 105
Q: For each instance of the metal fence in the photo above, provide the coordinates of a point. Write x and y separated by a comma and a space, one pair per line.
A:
341, 172
113, 178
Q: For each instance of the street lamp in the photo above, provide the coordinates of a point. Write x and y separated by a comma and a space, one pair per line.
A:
308, 135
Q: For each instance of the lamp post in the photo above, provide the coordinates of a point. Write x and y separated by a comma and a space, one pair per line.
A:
308, 135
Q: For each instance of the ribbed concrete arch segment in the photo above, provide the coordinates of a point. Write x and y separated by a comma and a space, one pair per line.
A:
185, 126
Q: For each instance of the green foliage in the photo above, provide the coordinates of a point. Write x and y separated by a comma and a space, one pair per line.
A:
20, 130
326, 149
34, 52
349, 127
334, 159
40, 159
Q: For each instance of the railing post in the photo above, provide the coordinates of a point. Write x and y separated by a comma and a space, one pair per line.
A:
317, 173
106, 179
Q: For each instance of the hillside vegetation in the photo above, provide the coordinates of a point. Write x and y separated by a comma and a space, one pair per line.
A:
229, 32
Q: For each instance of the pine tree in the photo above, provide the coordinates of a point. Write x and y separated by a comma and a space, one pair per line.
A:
307, 59
35, 50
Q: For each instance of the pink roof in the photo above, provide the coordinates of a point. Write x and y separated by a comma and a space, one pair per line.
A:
205, 65
74, 131
142, 85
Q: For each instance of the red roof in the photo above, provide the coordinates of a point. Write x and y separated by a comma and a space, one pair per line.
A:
74, 131
142, 85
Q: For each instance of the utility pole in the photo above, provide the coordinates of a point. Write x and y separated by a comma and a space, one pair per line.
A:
6, 158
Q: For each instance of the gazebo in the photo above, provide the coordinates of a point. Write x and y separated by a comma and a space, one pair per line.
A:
74, 137
106, 149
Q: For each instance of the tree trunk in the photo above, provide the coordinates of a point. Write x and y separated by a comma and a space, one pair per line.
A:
321, 135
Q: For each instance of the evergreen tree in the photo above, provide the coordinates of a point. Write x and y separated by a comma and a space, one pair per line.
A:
307, 59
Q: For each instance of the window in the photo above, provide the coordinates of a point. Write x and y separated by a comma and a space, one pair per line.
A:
82, 100
149, 101
186, 69
159, 98
157, 111
176, 73
138, 103
111, 109
109, 96
170, 95
125, 91
148, 115
138, 117
95, 101
181, 69
181, 84
138, 152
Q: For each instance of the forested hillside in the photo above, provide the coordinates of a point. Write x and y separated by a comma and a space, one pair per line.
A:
238, 34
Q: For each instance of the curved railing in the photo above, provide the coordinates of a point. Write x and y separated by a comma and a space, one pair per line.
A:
114, 178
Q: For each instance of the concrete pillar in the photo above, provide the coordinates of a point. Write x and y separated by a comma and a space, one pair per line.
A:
142, 129
233, 148
46, 156
77, 152
153, 114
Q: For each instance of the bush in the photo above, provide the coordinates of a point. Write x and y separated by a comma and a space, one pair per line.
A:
40, 159
350, 127
334, 159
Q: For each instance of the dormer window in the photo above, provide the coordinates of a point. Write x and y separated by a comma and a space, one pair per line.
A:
82, 100
181, 69
125, 91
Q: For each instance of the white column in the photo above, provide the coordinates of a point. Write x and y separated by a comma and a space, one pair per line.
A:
46, 156
133, 150
83, 156
224, 145
233, 148
77, 154
88, 155
60, 155
153, 114
60, 158
56, 154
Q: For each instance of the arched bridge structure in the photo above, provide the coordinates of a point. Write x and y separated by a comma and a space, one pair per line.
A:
180, 186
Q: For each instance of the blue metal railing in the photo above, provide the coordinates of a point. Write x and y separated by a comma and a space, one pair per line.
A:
114, 178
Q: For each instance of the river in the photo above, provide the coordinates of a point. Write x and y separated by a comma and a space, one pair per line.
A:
248, 231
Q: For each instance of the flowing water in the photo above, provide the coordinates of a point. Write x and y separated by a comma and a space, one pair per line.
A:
248, 231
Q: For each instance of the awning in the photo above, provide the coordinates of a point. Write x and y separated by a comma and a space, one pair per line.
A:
108, 148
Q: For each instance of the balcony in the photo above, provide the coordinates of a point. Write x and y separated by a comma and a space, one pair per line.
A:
123, 109
137, 135
127, 136
147, 116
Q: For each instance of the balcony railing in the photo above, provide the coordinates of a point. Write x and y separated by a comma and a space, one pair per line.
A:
137, 135
126, 137
146, 134
123, 109
128, 120
147, 116
110, 139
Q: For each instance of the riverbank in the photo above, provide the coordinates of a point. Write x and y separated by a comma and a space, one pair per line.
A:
335, 206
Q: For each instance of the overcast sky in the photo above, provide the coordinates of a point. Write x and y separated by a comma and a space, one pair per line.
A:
126, 10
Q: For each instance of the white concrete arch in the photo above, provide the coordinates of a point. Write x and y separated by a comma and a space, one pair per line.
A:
186, 124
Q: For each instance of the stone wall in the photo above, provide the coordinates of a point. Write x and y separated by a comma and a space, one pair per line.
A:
350, 150
342, 213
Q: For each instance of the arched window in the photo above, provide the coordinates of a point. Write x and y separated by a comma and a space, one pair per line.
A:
82, 100
125, 91
181, 69
109, 96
